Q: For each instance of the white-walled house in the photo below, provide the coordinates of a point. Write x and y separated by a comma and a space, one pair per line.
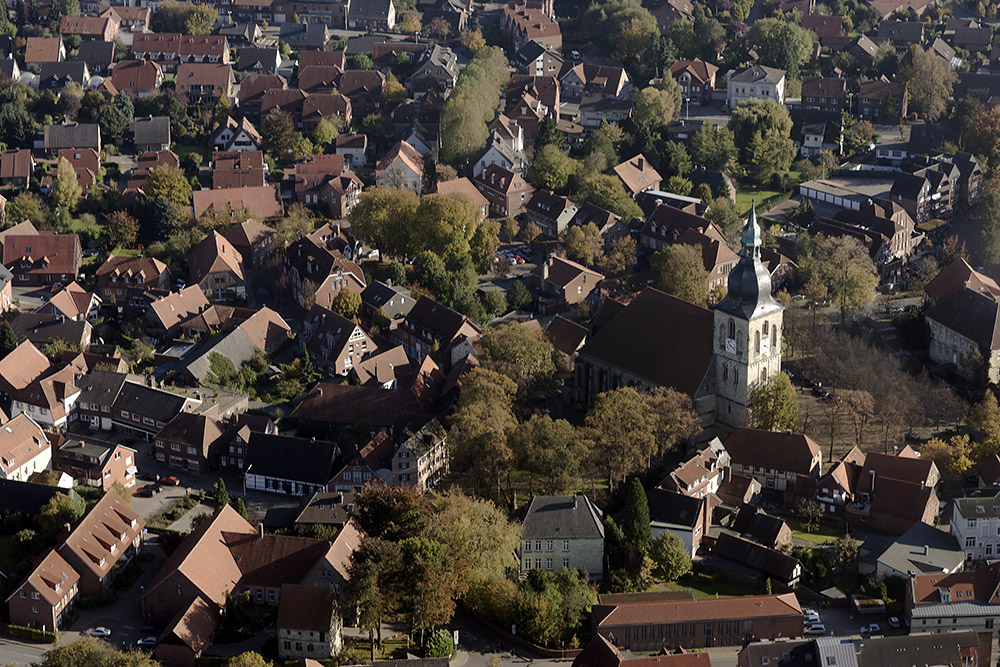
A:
563, 531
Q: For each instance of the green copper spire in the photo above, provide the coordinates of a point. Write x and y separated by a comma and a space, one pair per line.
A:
751, 234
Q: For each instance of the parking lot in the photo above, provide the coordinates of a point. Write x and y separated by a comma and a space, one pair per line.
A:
844, 622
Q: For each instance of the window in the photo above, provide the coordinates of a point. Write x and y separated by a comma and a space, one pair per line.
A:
566, 562
970, 542
538, 563
548, 563
565, 545
538, 545
548, 545
527, 545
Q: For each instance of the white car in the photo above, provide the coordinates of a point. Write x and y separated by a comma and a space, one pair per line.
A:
99, 631
816, 630
146, 642
872, 629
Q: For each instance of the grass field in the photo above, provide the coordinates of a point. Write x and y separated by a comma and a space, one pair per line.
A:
744, 196
705, 588
820, 535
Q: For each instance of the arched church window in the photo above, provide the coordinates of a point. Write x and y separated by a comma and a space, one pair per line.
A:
722, 336
736, 375
732, 329
774, 337
756, 342
725, 372
766, 330
763, 375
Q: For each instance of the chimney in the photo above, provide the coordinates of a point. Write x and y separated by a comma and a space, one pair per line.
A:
872, 489
260, 531
926, 549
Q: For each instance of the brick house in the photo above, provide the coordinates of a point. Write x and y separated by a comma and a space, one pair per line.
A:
563, 283
696, 78
48, 592
309, 623
687, 517
217, 267
824, 94
96, 464
650, 626
170, 49
428, 324
507, 192
700, 475
254, 241
108, 537
45, 258
335, 343
882, 101
189, 441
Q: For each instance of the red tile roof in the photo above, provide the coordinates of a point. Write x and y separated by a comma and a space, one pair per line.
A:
792, 452
691, 611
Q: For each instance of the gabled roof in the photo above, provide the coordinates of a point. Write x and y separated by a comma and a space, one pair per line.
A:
565, 335
769, 561
154, 130
205, 559
560, 271
176, 307
644, 339
215, 254
463, 186
790, 452
384, 367
24, 364
42, 49
192, 626
285, 457
72, 301
305, 608
923, 549
53, 577
674, 509
157, 404
104, 534
21, 440
981, 585
405, 153
444, 323
564, 518
691, 611
699, 69
956, 276
971, 314
262, 200
756, 73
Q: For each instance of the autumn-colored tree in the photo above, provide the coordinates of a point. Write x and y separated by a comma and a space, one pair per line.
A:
169, 183
953, 458
123, 229
680, 271
66, 189
346, 303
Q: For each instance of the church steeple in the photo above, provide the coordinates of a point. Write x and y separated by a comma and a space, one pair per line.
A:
749, 282
751, 235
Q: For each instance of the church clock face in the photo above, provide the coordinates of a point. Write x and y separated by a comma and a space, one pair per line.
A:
765, 345
730, 346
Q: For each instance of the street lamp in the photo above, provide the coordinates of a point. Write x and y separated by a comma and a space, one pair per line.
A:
416, 36
246, 472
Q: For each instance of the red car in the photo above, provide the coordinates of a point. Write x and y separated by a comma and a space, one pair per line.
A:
170, 481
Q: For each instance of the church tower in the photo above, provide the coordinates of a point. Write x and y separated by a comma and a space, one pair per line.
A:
747, 332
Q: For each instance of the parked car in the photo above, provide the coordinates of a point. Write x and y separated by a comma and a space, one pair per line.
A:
146, 642
872, 629
894, 622
816, 630
99, 631
149, 476
170, 481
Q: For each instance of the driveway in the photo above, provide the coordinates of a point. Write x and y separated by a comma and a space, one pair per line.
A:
124, 617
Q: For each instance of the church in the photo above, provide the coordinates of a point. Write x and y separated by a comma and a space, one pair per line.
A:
716, 356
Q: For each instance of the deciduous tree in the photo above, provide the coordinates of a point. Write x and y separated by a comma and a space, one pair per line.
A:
167, 182
584, 243
671, 561
66, 189
929, 81
635, 523
552, 168
782, 44
346, 303
713, 147
519, 353
773, 406
680, 271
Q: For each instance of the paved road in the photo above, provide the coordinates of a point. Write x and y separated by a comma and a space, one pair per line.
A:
21, 655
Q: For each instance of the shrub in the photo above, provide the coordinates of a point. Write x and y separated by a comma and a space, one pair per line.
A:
29, 633
439, 645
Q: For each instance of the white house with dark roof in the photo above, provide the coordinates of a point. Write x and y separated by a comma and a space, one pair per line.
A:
756, 83
563, 531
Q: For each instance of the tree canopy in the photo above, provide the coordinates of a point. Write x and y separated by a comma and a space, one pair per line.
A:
472, 106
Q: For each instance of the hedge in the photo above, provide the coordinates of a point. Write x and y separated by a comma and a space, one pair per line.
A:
29, 633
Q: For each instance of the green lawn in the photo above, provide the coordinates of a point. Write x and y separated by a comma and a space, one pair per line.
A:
744, 196
125, 252
820, 535
183, 149
705, 588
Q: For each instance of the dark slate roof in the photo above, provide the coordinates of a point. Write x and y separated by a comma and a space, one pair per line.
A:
647, 339
286, 457
152, 130
563, 517
41, 328
370, 9
96, 53
25, 497
673, 508
149, 402
769, 561
428, 435
931, 649
971, 314
58, 74
758, 525
100, 387
394, 300
250, 56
